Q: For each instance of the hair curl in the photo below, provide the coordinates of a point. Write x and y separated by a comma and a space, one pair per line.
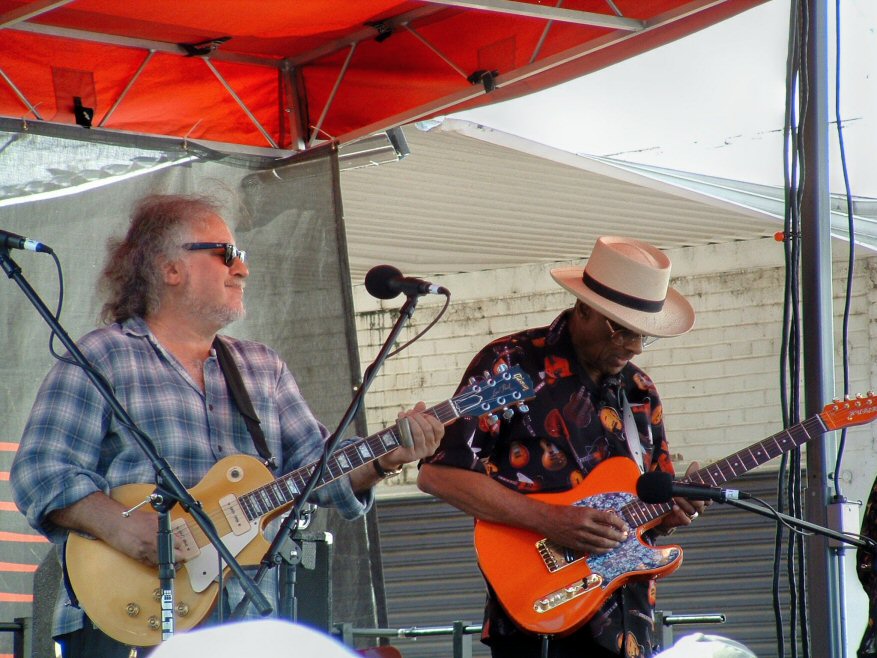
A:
131, 277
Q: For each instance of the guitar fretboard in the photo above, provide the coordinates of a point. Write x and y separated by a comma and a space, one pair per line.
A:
638, 513
286, 488
506, 388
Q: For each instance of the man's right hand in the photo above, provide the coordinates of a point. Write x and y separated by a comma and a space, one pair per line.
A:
585, 529
100, 516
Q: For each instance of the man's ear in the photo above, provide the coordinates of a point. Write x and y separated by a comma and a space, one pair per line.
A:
582, 310
172, 271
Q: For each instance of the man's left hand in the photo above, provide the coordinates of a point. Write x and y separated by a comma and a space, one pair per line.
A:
684, 510
420, 435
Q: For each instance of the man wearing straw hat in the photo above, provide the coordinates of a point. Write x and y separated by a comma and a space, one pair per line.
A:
591, 403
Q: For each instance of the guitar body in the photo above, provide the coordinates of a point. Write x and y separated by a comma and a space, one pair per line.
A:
550, 590
128, 608
240, 496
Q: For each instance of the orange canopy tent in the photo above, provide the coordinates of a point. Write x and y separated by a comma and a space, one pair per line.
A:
292, 75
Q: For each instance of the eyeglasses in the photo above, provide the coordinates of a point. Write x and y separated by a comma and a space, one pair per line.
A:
230, 252
621, 337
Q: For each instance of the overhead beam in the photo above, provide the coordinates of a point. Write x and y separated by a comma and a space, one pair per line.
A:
547, 13
362, 34
29, 10
534, 68
142, 44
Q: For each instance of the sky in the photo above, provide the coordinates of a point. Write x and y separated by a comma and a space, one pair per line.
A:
712, 103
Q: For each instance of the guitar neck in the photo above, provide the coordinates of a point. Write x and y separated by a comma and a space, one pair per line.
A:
285, 489
639, 513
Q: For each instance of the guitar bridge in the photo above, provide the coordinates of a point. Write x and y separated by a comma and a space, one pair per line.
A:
555, 556
559, 597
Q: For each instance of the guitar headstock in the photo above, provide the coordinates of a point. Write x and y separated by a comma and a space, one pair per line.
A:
510, 387
852, 411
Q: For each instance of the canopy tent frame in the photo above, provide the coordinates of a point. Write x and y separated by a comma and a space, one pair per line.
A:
614, 36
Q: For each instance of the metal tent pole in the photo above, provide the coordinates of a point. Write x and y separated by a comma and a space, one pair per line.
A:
824, 579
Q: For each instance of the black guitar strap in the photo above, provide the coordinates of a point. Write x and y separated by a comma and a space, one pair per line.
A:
242, 400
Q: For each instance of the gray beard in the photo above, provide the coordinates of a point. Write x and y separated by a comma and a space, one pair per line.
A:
221, 315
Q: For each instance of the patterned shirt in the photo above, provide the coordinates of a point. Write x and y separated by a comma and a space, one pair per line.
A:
74, 446
571, 425
867, 572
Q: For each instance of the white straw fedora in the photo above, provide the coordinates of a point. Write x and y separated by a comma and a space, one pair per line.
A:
628, 281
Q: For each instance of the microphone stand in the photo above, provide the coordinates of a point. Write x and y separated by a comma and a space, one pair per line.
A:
169, 490
859, 542
276, 554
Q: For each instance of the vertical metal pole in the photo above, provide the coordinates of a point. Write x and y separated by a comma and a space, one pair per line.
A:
823, 576
462, 642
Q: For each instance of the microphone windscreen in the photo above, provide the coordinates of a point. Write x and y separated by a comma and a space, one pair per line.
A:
655, 487
377, 281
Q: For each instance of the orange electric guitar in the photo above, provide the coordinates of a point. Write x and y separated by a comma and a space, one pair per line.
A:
241, 496
552, 590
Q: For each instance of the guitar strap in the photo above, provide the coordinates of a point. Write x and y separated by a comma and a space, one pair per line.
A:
242, 400
631, 433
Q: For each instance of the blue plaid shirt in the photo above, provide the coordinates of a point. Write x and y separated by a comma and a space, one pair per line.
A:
73, 445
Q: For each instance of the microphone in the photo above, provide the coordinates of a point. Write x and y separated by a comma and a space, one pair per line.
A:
659, 487
12, 241
386, 282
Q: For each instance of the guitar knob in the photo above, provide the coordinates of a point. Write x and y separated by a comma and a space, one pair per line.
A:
508, 413
132, 609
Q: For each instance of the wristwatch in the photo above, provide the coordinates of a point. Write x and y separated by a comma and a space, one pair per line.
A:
384, 473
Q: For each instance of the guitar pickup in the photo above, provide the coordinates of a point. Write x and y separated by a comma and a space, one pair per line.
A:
234, 514
559, 597
186, 547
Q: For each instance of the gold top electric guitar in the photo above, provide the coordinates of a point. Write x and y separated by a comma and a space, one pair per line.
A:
241, 496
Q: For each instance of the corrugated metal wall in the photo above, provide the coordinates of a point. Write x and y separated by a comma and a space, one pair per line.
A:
431, 578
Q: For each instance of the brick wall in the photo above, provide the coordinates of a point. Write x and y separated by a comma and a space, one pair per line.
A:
719, 383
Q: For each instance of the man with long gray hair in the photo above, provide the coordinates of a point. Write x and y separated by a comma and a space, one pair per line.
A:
172, 283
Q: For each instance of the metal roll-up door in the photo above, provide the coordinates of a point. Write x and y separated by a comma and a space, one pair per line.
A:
432, 580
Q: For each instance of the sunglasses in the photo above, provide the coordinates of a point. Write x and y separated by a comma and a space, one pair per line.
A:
230, 252
621, 337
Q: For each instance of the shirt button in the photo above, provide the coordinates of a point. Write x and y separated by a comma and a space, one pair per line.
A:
219, 448
210, 406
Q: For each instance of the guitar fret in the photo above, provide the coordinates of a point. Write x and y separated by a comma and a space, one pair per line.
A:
329, 472
290, 486
365, 451
352, 455
445, 412
244, 502
343, 461
277, 494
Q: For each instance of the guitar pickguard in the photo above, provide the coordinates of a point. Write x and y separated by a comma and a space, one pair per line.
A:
203, 569
630, 557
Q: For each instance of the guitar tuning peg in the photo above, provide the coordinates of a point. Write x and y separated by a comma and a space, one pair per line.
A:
473, 380
507, 413
523, 408
502, 367
492, 419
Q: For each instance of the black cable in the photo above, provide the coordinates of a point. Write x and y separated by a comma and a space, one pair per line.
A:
851, 259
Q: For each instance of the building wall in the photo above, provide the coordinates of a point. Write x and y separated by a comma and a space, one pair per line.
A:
720, 383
